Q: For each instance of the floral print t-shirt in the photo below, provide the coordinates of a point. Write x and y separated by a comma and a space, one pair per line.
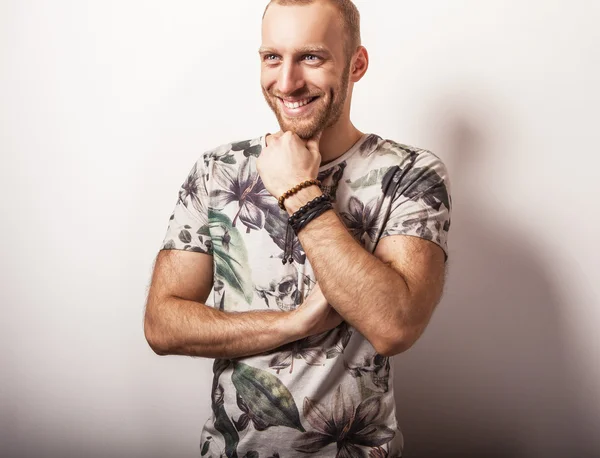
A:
328, 395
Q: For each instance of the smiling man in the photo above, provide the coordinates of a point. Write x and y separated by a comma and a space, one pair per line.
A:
303, 260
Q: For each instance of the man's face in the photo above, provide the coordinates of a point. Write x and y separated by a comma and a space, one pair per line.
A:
304, 69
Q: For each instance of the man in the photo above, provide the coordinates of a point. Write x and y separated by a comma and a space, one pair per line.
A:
302, 327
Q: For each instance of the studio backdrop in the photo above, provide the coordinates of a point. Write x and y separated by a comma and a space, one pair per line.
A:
106, 105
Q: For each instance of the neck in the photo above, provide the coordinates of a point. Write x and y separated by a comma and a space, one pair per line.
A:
338, 139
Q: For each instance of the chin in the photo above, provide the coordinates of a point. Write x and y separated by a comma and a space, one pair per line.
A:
304, 132
304, 128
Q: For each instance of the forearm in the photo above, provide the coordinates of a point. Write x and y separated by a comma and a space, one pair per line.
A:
181, 327
369, 294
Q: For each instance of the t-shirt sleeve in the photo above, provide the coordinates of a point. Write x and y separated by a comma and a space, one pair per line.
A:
420, 201
188, 225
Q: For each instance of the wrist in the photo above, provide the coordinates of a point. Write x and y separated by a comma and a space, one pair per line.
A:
301, 198
293, 325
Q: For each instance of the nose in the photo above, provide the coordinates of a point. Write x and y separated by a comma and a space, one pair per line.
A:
290, 78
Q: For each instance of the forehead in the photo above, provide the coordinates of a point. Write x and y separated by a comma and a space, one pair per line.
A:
287, 28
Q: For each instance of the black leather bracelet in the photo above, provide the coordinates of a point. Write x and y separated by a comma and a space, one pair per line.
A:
309, 212
300, 219
304, 209
318, 211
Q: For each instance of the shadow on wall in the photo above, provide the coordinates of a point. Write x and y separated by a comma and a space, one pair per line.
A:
490, 376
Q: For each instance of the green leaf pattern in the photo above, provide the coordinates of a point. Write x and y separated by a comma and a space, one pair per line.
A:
372, 178
266, 396
230, 255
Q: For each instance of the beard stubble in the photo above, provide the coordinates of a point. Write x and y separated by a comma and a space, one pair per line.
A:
326, 116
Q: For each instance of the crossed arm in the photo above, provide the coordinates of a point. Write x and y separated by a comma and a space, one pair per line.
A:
389, 297
177, 321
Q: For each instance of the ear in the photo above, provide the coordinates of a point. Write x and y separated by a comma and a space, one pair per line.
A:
359, 65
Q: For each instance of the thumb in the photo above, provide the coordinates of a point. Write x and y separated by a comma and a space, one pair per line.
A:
313, 143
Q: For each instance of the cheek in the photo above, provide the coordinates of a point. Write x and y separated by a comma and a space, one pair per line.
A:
330, 84
267, 78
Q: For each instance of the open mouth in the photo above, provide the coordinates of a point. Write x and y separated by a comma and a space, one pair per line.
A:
297, 104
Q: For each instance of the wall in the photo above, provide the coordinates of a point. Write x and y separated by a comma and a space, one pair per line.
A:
104, 106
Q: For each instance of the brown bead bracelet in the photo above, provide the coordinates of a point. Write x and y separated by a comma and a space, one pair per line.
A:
295, 189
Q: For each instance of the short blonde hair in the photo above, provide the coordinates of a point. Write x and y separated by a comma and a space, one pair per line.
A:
349, 15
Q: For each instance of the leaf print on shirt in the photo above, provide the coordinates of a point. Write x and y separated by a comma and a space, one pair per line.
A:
341, 423
362, 220
417, 183
222, 422
372, 178
276, 226
424, 183
245, 187
221, 154
314, 350
310, 349
247, 417
418, 224
193, 193
379, 452
390, 181
382, 147
266, 397
369, 144
428, 190
342, 343
205, 447
230, 255
248, 148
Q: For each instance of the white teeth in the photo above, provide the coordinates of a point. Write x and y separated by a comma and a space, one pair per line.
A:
296, 104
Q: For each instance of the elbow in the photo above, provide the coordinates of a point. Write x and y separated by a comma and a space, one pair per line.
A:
395, 343
401, 336
390, 349
153, 337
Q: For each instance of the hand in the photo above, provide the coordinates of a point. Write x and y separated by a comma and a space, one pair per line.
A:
287, 161
315, 315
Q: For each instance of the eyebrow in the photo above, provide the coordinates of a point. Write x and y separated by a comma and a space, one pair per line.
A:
304, 50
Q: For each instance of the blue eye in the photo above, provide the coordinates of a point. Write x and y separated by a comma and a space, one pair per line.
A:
311, 57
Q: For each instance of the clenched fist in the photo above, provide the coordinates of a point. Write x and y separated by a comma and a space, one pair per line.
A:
287, 161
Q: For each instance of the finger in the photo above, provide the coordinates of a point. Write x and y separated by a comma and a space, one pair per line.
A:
292, 137
272, 137
316, 137
313, 143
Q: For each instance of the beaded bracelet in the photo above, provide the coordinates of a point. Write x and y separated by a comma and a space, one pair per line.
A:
295, 189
